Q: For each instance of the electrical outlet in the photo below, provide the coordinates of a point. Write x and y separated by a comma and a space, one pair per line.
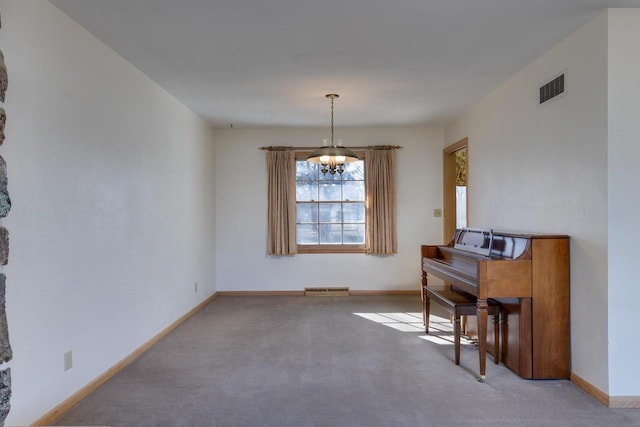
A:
195, 287
437, 213
68, 360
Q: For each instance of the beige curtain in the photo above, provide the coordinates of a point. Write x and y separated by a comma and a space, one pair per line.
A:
380, 183
281, 167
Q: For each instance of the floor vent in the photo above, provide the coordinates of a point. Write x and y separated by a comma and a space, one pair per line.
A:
326, 292
552, 89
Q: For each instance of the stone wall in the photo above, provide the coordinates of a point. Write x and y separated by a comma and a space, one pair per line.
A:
6, 354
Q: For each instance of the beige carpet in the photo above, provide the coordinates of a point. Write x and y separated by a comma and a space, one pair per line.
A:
326, 361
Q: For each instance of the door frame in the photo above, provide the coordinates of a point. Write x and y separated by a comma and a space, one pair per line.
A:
449, 186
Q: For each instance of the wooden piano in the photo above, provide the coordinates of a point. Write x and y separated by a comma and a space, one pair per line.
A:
528, 274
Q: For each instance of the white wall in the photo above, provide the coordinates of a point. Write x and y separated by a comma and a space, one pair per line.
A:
544, 169
241, 182
624, 204
112, 183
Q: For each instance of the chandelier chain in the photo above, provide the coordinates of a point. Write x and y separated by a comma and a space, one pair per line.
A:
332, 122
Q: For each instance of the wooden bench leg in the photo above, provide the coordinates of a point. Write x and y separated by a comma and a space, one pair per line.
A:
463, 325
496, 338
456, 337
481, 316
425, 312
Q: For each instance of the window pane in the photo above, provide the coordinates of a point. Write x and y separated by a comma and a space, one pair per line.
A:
307, 234
353, 170
306, 171
353, 190
330, 191
354, 233
306, 191
307, 212
353, 212
331, 212
330, 234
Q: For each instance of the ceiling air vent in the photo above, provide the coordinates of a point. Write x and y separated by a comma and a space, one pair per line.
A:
552, 89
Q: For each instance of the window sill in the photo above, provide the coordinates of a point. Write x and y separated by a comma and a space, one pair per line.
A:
331, 249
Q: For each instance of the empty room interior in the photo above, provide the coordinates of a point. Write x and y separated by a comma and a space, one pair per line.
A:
253, 209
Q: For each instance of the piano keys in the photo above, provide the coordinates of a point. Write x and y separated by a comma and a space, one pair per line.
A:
528, 274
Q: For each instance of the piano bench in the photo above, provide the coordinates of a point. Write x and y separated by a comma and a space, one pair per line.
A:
459, 303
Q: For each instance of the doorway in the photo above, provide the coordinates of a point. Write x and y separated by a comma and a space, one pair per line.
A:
455, 187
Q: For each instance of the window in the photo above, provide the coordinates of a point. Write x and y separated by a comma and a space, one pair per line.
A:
331, 213
330, 209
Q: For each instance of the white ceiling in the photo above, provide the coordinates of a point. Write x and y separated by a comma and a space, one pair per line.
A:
270, 62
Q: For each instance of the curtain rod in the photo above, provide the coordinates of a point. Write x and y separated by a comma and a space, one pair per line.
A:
277, 148
367, 147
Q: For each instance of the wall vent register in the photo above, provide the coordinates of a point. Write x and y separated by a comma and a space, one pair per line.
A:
552, 89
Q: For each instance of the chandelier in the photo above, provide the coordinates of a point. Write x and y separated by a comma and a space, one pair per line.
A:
332, 157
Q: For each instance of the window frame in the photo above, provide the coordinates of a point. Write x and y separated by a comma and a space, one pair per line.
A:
335, 248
